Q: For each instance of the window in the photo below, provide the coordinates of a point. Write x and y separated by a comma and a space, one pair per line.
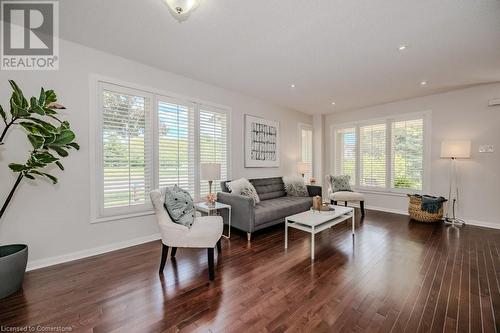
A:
306, 148
407, 147
176, 145
147, 140
213, 144
345, 152
126, 148
372, 162
387, 154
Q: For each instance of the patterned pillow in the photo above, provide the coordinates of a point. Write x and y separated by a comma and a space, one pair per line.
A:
341, 183
295, 187
179, 205
243, 187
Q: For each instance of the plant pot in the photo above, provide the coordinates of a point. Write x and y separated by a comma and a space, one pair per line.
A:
13, 260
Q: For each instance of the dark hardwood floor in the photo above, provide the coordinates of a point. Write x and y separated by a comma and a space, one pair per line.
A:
396, 276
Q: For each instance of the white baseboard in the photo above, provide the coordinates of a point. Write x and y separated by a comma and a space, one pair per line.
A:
404, 212
381, 209
35, 264
483, 224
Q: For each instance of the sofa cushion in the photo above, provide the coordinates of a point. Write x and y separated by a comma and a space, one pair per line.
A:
244, 187
269, 188
295, 187
278, 208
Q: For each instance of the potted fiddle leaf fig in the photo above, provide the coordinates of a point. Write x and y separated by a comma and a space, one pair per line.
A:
50, 139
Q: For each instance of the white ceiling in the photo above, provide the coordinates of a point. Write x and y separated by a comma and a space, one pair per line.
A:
346, 51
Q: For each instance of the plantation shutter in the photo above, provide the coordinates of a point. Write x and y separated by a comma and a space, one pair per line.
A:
345, 152
176, 165
407, 149
126, 147
213, 125
373, 155
306, 135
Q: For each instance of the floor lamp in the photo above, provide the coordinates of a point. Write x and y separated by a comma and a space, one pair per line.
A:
454, 150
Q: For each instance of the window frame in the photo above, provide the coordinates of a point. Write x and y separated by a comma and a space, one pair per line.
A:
388, 121
96, 82
304, 126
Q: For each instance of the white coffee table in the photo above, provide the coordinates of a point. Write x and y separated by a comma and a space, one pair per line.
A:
313, 222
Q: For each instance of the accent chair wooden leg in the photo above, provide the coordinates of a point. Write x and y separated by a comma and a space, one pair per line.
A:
164, 253
211, 274
219, 246
249, 236
173, 252
362, 207
345, 203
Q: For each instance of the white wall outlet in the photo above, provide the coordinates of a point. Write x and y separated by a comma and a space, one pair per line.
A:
486, 149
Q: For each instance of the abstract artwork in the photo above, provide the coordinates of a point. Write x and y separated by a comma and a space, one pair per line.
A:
261, 143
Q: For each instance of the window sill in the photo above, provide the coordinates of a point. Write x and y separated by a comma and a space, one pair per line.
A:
120, 217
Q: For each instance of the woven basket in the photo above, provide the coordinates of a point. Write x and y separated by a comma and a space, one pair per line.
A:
416, 213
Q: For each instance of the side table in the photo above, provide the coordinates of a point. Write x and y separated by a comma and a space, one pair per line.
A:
210, 210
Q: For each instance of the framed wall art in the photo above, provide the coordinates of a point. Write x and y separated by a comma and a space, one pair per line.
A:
262, 143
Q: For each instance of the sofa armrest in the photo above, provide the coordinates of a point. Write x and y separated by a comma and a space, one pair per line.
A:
242, 210
314, 190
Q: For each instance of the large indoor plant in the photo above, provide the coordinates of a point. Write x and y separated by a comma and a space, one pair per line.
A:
50, 138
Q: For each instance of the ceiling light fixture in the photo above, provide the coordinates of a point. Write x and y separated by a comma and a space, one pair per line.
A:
402, 47
333, 103
423, 83
180, 9
292, 85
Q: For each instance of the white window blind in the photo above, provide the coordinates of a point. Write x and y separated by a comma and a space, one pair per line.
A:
176, 145
306, 138
345, 152
407, 150
213, 130
372, 140
126, 147
146, 140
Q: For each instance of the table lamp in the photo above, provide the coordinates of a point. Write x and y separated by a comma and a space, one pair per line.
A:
303, 168
210, 172
454, 150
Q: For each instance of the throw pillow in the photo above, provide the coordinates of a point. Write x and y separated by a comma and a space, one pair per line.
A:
179, 205
243, 187
295, 187
341, 183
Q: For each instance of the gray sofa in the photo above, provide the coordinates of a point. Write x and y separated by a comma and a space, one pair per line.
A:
272, 209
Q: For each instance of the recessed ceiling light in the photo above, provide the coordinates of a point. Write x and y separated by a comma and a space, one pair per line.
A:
423, 83
292, 85
333, 103
402, 47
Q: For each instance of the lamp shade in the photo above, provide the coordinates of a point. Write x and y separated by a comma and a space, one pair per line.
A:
455, 149
210, 171
303, 167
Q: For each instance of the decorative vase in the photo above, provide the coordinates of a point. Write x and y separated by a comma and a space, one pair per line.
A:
13, 260
317, 202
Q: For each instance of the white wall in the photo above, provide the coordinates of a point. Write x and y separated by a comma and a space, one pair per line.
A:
461, 114
54, 220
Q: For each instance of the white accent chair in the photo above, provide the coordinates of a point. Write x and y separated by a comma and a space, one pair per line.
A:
345, 196
205, 232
